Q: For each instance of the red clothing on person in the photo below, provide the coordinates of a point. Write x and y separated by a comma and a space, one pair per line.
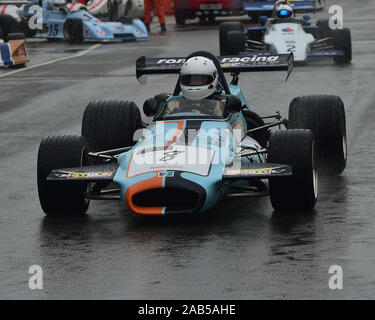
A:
159, 10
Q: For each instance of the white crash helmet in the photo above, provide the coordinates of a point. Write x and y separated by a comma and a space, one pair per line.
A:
198, 78
284, 10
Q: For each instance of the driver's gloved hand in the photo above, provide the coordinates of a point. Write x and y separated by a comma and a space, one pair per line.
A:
161, 97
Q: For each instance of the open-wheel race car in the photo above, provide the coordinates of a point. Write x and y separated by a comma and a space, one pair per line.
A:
59, 22
194, 152
286, 34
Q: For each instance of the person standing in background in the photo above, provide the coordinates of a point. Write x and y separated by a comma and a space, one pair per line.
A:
158, 9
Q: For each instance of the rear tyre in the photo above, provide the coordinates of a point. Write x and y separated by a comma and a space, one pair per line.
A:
342, 41
110, 125
73, 30
8, 25
299, 191
234, 43
60, 198
325, 117
324, 31
225, 27
16, 36
24, 28
179, 16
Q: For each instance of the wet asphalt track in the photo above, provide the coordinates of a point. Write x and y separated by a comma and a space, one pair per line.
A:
240, 250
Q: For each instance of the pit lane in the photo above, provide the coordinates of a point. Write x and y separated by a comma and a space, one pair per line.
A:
240, 250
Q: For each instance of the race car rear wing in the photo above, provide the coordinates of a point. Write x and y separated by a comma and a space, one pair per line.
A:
243, 63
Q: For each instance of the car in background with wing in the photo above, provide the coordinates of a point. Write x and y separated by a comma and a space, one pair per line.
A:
205, 9
279, 36
193, 153
61, 23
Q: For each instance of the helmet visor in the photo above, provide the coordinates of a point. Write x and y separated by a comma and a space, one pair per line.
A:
196, 79
284, 13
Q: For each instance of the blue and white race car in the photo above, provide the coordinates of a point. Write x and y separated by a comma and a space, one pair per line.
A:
193, 152
284, 34
61, 23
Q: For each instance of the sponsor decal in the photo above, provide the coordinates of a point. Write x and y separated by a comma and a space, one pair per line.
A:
137, 32
287, 30
73, 174
254, 58
183, 158
101, 33
261, 171
171, 61
228, 61
21, 52
86, 32
166, 174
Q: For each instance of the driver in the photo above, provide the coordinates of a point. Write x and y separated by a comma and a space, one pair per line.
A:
283, 10
198, 78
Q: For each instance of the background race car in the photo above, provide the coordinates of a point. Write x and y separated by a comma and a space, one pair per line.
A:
60, 23
256, 8
295, 36
204, 9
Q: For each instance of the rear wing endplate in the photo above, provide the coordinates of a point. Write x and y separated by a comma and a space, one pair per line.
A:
243, 63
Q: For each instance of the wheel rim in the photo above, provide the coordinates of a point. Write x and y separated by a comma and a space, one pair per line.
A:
314, 172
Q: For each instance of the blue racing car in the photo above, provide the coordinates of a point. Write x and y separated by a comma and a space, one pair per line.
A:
60, 23
194, 152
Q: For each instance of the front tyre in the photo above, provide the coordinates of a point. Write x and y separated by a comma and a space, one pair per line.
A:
73, 30
60, 198
180, 17
224, 28
110, 125
299, 191
324, 115
342, 41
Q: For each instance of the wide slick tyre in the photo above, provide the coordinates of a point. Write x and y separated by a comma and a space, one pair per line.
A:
73, 30
60, 198
298, 149
224, 28
342, 41
110, 124
180, 17
8, 25
324, 115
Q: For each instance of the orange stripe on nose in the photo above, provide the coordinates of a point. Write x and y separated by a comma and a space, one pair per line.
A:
145, 185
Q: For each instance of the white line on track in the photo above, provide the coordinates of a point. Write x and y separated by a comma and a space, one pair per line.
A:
79, 54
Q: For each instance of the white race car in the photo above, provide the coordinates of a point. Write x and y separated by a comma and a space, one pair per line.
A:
287, 35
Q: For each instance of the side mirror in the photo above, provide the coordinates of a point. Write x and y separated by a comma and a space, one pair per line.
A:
306, 17
150, 107
234, 104
263, 20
